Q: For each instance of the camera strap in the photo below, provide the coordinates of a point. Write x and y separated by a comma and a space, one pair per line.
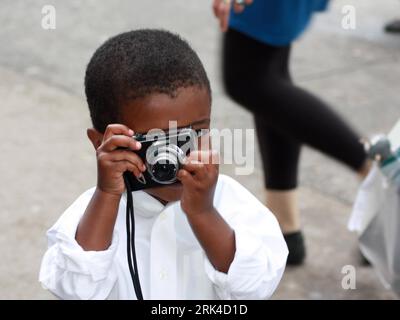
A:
130, 233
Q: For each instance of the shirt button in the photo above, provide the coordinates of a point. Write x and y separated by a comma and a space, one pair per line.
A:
162, 275
162, 216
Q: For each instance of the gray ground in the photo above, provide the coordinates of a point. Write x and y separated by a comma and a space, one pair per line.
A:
47, 161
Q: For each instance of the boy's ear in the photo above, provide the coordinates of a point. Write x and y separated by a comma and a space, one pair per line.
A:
95, 137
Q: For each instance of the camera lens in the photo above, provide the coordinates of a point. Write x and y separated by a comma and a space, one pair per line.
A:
164, 171
163, 161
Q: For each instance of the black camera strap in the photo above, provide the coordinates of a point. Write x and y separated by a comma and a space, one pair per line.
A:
130, 233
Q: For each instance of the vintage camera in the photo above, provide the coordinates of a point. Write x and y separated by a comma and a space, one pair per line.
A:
163, 154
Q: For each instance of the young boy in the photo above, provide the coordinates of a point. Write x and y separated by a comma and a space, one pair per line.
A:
205, 237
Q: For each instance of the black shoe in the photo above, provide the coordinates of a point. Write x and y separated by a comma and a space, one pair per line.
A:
393, 27
297, 249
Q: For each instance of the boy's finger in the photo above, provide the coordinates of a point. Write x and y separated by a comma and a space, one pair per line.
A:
214, 157
195, 155
117, 129
124, 165
119, 141
210, 161
204, 140
204, 156
185, 177
120, 155
197, 169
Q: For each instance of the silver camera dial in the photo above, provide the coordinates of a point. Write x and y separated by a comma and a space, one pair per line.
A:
163, 161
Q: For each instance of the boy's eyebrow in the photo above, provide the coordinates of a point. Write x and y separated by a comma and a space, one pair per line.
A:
196, 123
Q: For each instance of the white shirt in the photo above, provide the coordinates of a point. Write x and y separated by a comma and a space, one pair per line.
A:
171, 262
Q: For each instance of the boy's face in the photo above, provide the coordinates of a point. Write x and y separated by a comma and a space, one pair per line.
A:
190, 107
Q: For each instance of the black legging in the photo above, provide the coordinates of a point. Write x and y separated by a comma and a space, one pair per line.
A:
256, 76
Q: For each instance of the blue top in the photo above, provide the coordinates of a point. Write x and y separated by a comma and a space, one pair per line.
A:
276, 22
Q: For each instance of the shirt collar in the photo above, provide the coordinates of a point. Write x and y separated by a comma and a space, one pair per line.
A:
145, 205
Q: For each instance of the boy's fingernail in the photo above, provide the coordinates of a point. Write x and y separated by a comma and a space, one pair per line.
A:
130, 132
143, 167
138, 145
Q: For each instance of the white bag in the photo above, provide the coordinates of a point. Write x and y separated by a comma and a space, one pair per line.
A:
376, 219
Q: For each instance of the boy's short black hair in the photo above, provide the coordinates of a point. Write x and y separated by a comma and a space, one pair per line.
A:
135, 64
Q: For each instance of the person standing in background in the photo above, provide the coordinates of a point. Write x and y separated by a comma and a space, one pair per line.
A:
255, 60
393, 26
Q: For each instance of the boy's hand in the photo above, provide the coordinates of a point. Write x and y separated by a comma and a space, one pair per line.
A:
199, 178
112, 162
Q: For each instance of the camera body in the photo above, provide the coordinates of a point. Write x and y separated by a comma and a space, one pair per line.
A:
163, 155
